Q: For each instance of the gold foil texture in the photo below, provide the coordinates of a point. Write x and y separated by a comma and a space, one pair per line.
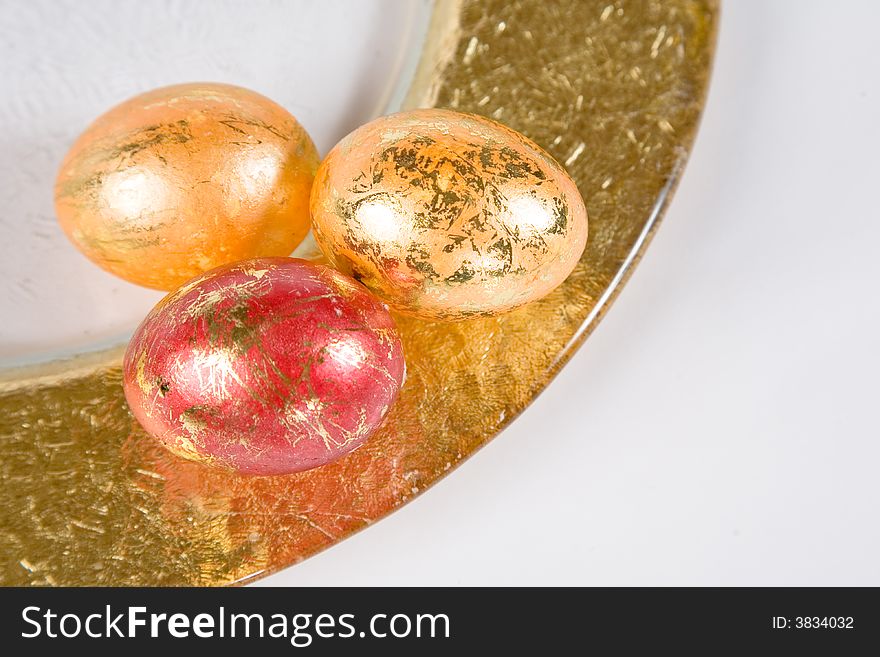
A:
446, 215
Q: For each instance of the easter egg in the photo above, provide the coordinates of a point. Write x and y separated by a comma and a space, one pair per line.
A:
446, 215
267, 366
182, 179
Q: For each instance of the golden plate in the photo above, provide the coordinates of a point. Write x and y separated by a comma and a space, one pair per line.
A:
613, 90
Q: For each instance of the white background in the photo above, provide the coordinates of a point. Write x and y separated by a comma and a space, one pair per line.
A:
721, 425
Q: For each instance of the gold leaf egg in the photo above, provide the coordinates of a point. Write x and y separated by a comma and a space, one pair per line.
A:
447, 215
182, 179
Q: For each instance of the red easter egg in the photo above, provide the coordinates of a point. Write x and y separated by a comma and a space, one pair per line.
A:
266, 366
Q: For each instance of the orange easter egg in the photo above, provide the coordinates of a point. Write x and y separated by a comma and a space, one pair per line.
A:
446, 215
182, 179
